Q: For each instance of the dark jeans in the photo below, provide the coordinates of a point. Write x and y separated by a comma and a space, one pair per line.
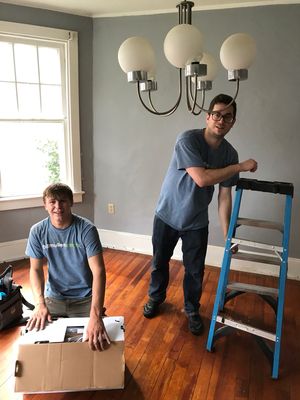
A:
194, 246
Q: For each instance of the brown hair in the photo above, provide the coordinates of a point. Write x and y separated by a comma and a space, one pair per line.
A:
224, 99
58, 191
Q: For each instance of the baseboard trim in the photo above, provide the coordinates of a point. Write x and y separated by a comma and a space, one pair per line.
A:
12, 251
142, 244
15, 250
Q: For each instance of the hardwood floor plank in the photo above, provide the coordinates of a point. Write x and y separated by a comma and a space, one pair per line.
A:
161, 388
191, 359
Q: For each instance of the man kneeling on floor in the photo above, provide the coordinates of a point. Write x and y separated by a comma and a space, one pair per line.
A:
76, 272
201, 159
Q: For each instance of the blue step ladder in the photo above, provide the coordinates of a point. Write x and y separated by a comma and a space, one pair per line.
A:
221, 324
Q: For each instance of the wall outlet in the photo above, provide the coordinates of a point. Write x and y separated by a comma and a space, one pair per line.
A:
110, 208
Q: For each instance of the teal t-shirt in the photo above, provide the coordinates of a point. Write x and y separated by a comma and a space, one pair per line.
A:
67, 252
182, 204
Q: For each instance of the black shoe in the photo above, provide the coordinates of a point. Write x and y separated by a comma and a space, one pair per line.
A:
151, 309
196, 325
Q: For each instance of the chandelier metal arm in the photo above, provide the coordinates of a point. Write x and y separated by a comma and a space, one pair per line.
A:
193, 96
203, 99
236, 94
166, 113
201, 108
153, 109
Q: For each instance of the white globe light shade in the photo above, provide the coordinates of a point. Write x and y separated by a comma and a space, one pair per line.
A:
151, 75
212, 67
183, 44
136, 54
238, 51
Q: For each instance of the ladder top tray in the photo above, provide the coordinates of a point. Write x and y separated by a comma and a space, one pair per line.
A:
266, 186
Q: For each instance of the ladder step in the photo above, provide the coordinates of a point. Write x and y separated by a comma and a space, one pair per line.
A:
246, 328
260, 258
248, 288
260, 223
258, 245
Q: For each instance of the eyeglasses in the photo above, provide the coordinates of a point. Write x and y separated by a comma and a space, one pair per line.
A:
228, 118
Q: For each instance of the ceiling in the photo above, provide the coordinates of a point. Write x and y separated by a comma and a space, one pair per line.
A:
113, 8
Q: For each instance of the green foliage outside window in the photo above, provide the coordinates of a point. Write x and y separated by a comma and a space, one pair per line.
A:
50, 149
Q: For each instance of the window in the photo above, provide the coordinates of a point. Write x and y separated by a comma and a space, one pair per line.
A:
39, 123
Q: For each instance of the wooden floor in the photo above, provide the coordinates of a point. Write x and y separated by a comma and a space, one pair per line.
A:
166, 362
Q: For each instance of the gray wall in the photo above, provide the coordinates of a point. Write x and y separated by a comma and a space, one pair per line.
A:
132, 148
16, 224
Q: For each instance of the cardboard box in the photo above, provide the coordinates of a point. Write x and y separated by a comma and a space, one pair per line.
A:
47, 363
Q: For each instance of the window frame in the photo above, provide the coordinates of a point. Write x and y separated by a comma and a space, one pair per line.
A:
72, 128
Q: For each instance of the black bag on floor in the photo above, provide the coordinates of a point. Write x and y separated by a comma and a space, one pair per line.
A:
11, 303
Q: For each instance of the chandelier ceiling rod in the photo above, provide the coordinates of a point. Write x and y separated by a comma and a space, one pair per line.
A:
185, 12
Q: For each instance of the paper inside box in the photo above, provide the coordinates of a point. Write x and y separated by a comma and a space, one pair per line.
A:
55, 332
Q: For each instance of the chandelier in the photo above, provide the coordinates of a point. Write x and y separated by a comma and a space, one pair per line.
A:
183, 48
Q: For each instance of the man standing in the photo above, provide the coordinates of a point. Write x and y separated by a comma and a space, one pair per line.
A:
201, 159
76, 272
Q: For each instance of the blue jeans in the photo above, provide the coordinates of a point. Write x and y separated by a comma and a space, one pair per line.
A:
194, 246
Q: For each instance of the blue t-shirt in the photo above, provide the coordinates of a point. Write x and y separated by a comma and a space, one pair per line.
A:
67, 252
182, 203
